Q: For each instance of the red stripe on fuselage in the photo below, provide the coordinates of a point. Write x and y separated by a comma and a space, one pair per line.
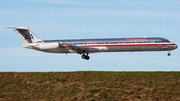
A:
109, 45
64, 46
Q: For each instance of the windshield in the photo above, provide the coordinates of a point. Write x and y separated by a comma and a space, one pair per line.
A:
166, 40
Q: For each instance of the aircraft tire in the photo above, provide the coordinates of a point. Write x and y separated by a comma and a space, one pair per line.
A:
87, 57
169, 54
83, 56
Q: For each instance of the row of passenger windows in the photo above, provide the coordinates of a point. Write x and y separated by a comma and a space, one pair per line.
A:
118, 42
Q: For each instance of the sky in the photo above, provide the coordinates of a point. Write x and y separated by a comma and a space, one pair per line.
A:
83, 19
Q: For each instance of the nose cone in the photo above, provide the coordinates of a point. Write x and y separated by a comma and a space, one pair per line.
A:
175, 46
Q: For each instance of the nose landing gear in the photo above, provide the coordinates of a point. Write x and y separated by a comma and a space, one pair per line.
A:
85, 56
168, 53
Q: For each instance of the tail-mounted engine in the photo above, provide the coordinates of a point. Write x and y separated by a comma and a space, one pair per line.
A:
45, 46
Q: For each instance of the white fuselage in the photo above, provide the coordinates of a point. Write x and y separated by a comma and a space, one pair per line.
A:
107, 45
86, 46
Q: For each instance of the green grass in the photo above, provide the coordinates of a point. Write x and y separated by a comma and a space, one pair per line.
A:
94, 90
90, 85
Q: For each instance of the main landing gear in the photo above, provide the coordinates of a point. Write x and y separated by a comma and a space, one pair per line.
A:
85, 56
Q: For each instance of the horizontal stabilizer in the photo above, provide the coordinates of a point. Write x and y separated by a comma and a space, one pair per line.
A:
18, 28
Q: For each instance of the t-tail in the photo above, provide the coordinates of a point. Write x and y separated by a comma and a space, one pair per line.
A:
26, 35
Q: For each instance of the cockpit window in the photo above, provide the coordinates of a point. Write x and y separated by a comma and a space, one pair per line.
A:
166, 40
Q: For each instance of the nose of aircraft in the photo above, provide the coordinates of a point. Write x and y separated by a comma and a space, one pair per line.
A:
175, 46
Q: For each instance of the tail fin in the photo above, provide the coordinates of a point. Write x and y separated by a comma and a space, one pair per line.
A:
26, 35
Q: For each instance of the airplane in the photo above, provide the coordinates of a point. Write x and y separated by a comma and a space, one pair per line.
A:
86, 46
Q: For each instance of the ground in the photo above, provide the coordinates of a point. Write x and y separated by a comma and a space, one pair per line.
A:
90, 86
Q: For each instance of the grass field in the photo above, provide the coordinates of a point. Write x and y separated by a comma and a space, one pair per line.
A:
90, 86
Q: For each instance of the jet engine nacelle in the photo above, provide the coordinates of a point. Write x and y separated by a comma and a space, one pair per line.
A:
45, 46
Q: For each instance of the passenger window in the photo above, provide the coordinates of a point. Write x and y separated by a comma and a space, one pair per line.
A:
127, 42
156, 41
106, 42
149, 42
114, 42
80, 43
140, 42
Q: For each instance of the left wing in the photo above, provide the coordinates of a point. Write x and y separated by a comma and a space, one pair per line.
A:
80, 49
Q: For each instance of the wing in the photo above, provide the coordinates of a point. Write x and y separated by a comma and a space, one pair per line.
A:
80, 49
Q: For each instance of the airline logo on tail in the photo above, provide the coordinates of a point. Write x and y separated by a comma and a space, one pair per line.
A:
29, 36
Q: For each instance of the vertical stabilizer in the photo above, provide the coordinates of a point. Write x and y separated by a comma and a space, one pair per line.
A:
26, 35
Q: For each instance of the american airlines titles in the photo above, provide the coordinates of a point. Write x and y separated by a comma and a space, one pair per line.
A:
136, 40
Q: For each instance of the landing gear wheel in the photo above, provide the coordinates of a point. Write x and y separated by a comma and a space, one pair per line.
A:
83, 56
87, 57
169, 54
